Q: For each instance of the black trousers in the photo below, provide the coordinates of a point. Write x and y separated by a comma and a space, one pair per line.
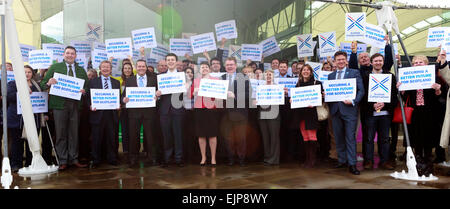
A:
135, 142
105, 131
46, 143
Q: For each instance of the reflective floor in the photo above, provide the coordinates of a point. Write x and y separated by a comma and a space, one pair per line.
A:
253, 176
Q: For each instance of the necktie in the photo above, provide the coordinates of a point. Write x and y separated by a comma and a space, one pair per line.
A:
106, 84
141, 81
230, 81
339, 74
70, 71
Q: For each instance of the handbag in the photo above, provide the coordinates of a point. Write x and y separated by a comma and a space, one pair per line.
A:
322, 111
398, 113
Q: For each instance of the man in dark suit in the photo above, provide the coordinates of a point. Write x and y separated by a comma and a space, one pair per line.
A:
236, 113
171, 118
105, 123
66, 111
140, 116
345, 115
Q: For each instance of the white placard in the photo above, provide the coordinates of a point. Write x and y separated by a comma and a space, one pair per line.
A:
251, 52
213, 88
270, 95
171, 83
446, 41
201, 59
270, 46
340, 90
39, 102
375, 36
380, 88
180, 47
82, 47
98, 46
105, 99
420, 77
9, 76
119, 48
40, 59
255, 83
347, 47
235, 51
217, 75
287, 83
436, 36
306, 96
305, 47
159, 53
57, 49
323, 75
82, 61
267, 66
188, 35
355, 26
67, 86
98, 57
116, 70
327, 44
317, 67
202, 42
226, 30
25, 50
144, 38
140, 97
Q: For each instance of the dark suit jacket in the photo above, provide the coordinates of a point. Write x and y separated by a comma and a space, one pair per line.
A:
95, 117
344, 109
165, 105
367, 107
238, 113
146, 113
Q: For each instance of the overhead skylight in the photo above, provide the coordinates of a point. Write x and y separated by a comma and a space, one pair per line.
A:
317, 4
421, 24
409, 30
434, 19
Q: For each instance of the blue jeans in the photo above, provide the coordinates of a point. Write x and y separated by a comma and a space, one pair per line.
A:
380, 125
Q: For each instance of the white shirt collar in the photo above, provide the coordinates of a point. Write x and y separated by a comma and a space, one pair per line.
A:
174, 71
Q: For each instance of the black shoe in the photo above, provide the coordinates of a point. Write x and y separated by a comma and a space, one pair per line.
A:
164, 165
242, 163
180, 164
352, 169
341, 165
230, 163
93, 165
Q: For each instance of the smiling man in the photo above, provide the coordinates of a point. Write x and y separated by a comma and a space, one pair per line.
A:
105, 123
345, 115
171, 119
66, 111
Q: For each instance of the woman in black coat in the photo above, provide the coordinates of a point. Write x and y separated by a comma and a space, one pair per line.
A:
15, 123
306, 118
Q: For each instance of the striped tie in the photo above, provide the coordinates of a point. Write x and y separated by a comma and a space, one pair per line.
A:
106, 84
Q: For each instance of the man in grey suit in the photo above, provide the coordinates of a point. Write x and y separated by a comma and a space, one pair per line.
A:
236, 113
345, 115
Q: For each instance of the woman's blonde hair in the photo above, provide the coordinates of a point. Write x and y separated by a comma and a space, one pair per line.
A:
420, 57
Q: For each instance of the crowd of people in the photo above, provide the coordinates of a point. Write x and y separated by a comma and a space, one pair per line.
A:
200, 127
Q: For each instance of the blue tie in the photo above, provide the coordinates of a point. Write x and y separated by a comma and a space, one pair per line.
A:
141, 81
340, 74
